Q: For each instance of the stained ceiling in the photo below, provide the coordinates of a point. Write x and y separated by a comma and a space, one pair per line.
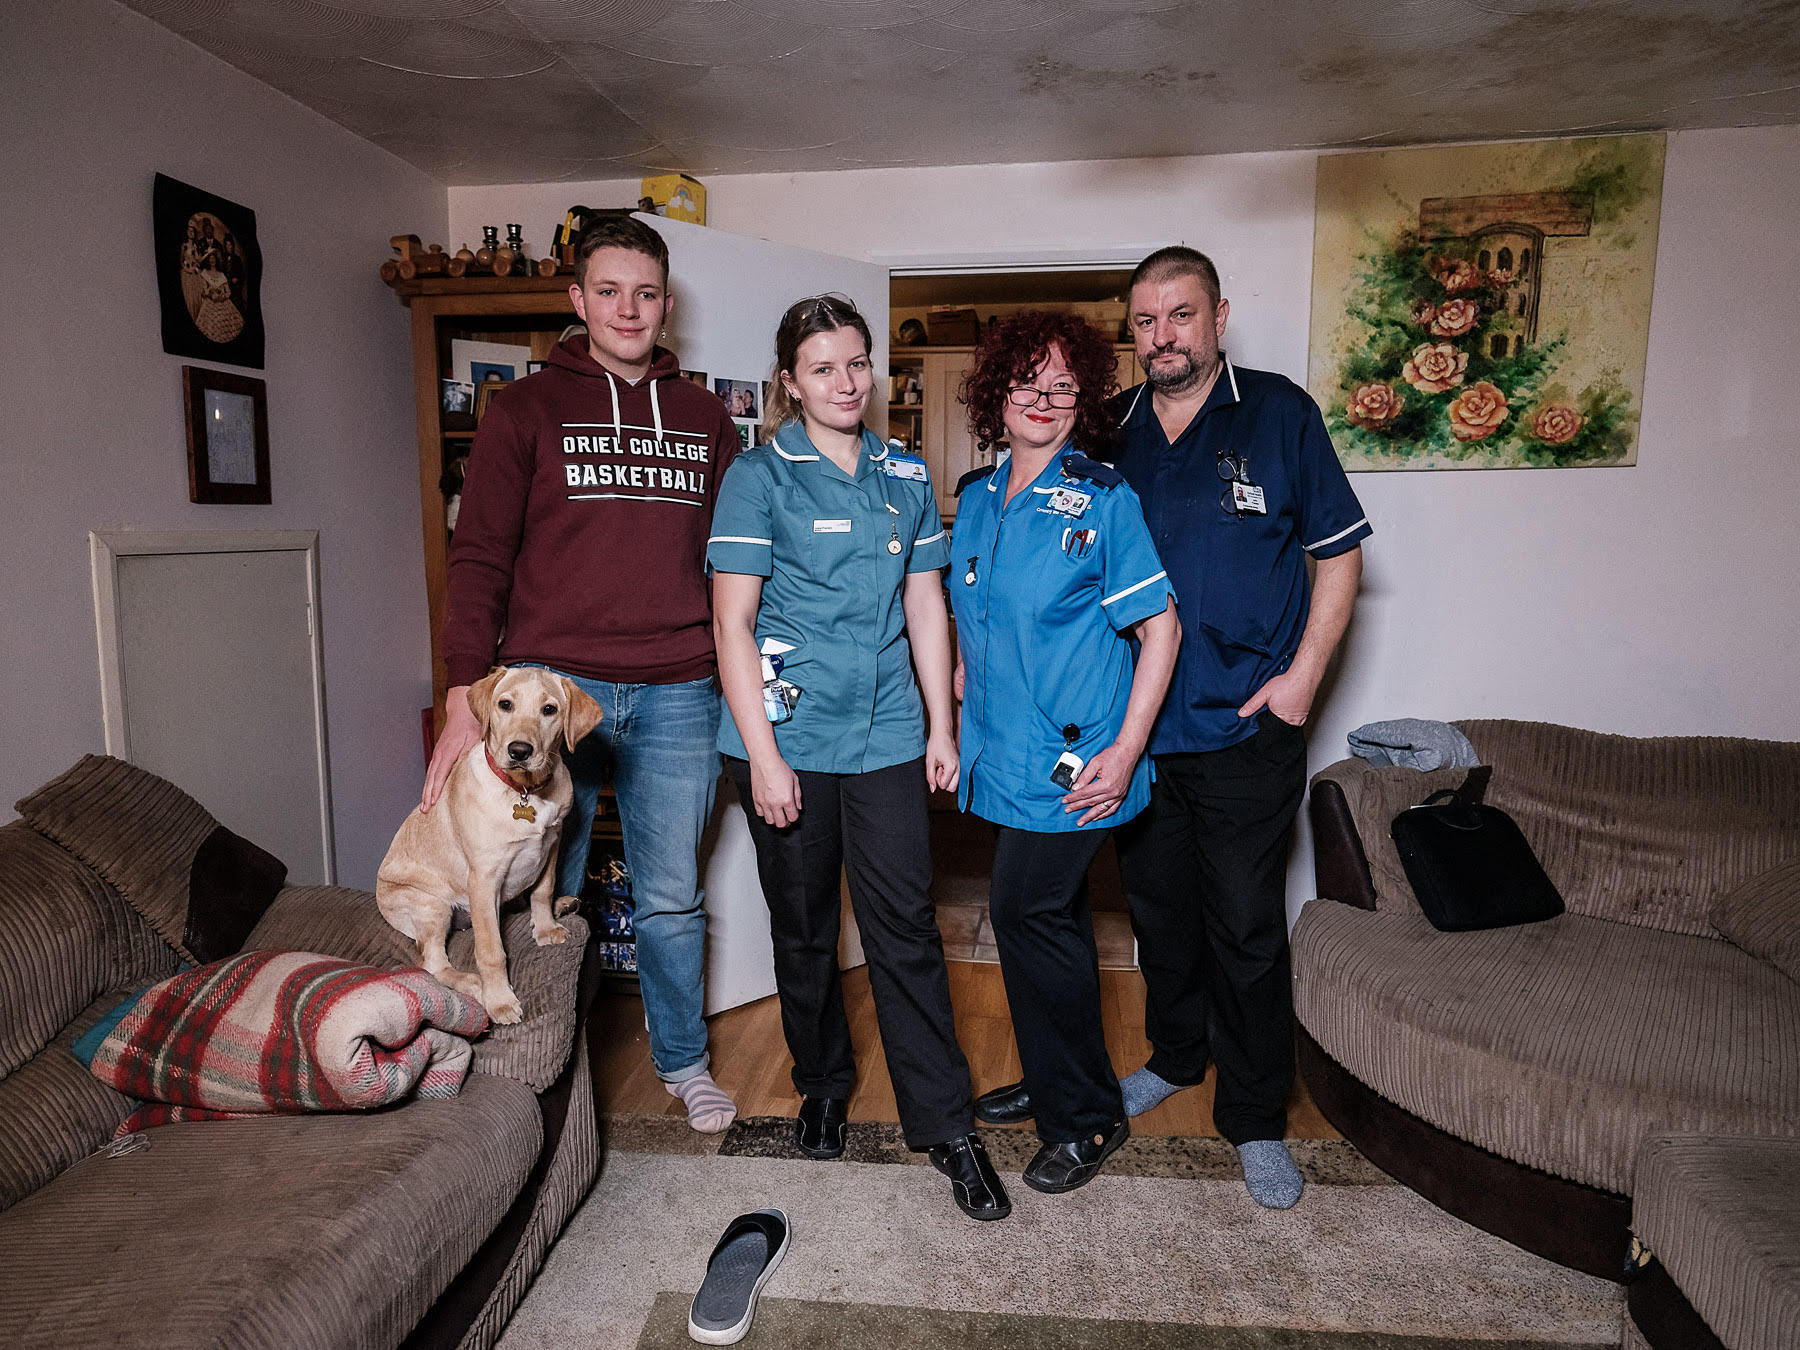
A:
487, 91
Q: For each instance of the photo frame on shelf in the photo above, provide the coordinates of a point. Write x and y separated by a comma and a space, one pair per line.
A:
471, 359
484, 395
456, 405
227, 437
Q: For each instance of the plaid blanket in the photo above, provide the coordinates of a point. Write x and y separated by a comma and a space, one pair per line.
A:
269, 1031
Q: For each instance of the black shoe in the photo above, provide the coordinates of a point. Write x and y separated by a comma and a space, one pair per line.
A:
1004, 1105
1063, 1167
819, 1129
976, 1185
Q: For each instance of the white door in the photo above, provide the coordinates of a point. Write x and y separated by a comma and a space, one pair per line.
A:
211, 677
730, 292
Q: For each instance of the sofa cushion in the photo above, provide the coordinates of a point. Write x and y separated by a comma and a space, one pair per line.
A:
345, 923
200, 886
1560, 1044
1723, 1216
1762, 915
293, 1231
1646, 831
65, 938
53, 1112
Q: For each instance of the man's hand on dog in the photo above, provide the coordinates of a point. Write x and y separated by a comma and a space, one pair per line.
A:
461, 731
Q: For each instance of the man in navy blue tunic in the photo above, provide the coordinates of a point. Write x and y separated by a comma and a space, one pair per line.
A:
1239, 485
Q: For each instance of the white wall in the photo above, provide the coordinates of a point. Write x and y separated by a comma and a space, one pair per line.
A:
96, 100
1648, 600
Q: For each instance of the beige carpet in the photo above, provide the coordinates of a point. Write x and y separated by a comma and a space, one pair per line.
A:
1353, 1265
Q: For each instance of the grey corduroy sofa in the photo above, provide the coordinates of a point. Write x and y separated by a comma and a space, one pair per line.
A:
422, 1223
1514, 1076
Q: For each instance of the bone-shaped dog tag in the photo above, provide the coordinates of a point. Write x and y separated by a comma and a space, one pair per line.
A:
523, 811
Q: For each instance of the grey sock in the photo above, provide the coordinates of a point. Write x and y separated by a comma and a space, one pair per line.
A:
1143, 1090
1269, 1173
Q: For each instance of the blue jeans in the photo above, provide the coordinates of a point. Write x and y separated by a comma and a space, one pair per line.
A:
658, 742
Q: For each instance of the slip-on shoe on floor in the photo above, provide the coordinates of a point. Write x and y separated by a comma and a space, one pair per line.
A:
1004, 1105
973, 1180
1064, 1166
737, 1270
819, 1128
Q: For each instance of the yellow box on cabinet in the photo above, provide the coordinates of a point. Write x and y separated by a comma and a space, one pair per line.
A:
676, 196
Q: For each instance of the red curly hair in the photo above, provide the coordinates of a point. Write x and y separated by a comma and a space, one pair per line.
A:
1009, 355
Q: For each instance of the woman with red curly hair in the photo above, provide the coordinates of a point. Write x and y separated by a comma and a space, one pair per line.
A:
1052, 577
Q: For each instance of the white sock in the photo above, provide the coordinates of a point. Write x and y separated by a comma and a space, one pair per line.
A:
709, 1108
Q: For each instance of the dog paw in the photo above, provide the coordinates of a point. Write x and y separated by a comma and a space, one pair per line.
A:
566, 904
462, 981
554, 935
505, 1010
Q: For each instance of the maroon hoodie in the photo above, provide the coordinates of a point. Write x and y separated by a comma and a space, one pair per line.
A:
581, 542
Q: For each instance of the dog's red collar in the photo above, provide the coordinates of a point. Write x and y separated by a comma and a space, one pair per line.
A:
523, 789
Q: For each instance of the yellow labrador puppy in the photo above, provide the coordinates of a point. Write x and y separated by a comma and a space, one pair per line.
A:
493, 833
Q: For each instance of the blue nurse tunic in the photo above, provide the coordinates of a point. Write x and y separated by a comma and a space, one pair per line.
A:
1045, 589
832, 599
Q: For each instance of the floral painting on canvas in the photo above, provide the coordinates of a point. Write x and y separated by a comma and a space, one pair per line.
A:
1485, 306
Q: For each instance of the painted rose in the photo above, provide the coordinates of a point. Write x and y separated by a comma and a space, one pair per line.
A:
1500, 276
1423, 312
1374, 405
1477, 412
1434, 367
1454, 318
1557, 424
1455, 274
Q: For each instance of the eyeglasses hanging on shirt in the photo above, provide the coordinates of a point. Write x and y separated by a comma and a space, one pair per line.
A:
1241, 497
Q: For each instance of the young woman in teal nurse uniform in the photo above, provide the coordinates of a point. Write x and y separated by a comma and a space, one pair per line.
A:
1052, 574
827, 555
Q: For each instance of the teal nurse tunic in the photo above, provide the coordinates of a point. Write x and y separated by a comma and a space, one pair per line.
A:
1046, 588
832, 594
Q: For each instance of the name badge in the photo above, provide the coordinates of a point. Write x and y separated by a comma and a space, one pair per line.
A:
913, 469
831, 527
1248, 497
1070, 501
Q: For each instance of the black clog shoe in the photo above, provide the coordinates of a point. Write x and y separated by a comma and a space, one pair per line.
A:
819, 1128
1064, 1166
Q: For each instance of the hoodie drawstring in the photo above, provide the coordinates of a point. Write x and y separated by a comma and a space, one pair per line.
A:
619, 421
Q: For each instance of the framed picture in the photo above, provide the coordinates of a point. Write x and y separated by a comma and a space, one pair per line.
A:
227, 437
1485, 306
472, 361
484, 395
697, 377
533, 367
747, 433
740, 397
208, 275
456, 405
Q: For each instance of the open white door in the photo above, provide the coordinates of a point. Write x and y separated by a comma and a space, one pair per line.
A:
730, 292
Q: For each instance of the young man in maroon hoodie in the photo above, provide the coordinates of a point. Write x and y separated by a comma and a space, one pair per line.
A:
581, 547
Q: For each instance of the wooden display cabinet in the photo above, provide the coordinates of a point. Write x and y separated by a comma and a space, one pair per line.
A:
526, 311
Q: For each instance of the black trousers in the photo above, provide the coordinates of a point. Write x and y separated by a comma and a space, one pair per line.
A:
872, 827
1205, 872
1038, 904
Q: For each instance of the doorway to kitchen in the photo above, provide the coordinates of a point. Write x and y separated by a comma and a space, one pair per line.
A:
935, 319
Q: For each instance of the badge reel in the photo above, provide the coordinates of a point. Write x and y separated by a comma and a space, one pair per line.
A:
1068, 763
779, 695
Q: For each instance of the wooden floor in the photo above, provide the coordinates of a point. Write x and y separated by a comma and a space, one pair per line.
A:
750, 1059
